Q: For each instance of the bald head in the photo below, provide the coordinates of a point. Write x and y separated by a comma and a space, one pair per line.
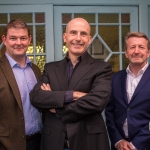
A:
77, 37
75, 20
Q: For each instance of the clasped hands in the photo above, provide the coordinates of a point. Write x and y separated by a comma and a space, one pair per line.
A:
76, 94
125, 145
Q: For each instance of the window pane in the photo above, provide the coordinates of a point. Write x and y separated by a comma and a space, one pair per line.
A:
125, 30
108, 18
31, 58
40, 39
30, 47
110, 34
40, 61
66, 18
125, 61
3, 18
1, 33
40, 18
114, 61
25, 17
125, 18
89, 17
97, 50
93, 30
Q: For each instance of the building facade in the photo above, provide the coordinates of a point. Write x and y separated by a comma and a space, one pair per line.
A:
109, 21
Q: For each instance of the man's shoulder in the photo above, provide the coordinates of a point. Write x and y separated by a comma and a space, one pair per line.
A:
54, 63
119, 73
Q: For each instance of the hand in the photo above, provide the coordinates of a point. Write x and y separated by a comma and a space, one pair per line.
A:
124, 145
53, 111
46, 87
77, 95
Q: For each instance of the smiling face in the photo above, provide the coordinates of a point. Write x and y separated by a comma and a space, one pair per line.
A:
137, 51
16, 42
77, 36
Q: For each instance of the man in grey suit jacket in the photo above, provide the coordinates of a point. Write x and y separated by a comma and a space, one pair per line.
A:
74, 91
20, 122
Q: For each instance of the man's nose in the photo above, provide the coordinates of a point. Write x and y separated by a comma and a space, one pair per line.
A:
78, 37
18, 41
136, 49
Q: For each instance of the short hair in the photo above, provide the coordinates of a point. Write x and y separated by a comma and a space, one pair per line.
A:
16, 23
136, 34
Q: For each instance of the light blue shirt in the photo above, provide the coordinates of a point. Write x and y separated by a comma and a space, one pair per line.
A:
26, 80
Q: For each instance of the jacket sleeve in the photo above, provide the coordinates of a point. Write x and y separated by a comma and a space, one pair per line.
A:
142, 139
46, 99
113, 131
94, 102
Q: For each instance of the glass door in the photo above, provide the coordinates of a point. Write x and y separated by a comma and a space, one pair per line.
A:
109, 25
40, 21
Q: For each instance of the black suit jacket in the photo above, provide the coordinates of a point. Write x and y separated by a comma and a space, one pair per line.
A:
81, 119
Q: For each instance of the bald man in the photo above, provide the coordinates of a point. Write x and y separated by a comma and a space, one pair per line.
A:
74, 91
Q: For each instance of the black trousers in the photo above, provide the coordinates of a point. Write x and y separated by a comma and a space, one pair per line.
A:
33, 144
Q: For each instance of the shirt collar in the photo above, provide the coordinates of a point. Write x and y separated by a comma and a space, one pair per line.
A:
13, 62
80, 58
140, 71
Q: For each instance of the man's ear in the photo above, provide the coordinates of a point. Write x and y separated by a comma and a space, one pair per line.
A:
126, 54
4, 39
64, 37
90, 39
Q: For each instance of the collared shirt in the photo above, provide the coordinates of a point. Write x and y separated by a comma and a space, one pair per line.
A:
70, 71
26, 80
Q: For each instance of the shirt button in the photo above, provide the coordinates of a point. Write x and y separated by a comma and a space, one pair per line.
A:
23, 136
128, 109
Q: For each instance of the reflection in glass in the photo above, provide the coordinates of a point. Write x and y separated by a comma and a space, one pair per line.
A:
30, 49
40, 61
114, 61
25, 17
63, 29
125, 18
40, 18
1, 32
125, 61
110, 34
3, 18
125, 30
31, 58
65, 50
40, 39
90, 18
108, 18
93, 30
97, 50
66, 18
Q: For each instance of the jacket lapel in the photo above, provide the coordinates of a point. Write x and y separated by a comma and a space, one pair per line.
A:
36, 71
7, 70
61, 74
142, 82
81, 70
123, 80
